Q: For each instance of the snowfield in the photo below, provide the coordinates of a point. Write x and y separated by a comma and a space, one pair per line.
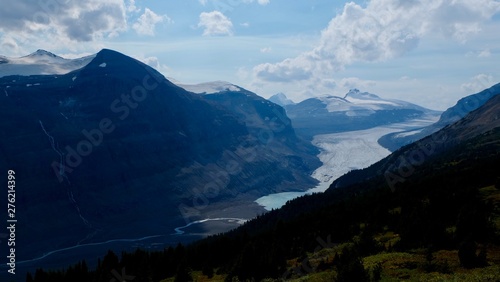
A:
41, 62
209, 87
346, 151
343, 152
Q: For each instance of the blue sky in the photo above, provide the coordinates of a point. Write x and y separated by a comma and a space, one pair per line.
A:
431, 52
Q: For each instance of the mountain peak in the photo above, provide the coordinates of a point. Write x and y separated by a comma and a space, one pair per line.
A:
357, 94
41, 52
281, 99
109, 61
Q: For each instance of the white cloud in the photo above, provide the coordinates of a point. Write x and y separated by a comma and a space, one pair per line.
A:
155, 63
150, 61
266, 50
261, 2
8, 43
132, 8
52, 24
478, 83
381, 30
484, 53
230, 4
77, 20
481, 53
355, 82
215, 23
75, 55
299, 68
147, 22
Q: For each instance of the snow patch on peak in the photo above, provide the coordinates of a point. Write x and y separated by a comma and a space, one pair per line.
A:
210, 87
103, 65
363, 98
337, 104
357, 103
41, 52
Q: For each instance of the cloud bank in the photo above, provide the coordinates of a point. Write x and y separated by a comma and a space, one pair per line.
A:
381, 30
54, 23
77, 20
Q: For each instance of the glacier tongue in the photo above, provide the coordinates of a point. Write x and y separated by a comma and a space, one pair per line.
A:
343, 152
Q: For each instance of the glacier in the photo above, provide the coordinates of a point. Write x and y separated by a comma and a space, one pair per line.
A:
343, 152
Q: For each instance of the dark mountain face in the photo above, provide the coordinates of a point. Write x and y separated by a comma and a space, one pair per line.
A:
114, 150
403, 163
448, 200
273, 129
468, 104
461, 109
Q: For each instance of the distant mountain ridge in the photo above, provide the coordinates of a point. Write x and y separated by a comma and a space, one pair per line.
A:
281, 99
463, 107
41, 62
355, 111
209, 87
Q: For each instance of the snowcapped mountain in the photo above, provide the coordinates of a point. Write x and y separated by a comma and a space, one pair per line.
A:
357, 102
209, 87
40, 62
355, 111
281, 100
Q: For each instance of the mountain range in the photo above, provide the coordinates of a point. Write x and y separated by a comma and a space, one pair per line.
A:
355, 111
41, 62
114, 151
428, 211
109, 154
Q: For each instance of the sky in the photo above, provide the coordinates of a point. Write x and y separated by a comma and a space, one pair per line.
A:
430, 52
